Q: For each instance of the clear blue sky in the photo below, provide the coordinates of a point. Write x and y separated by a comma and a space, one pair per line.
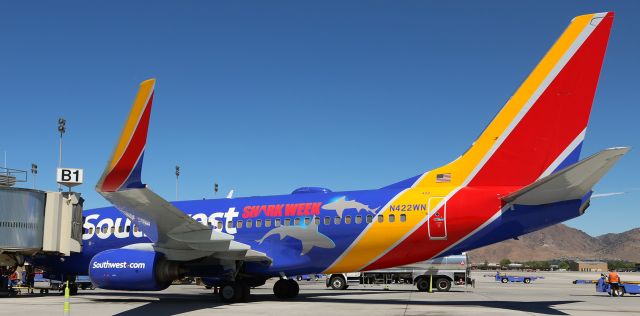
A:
263, 97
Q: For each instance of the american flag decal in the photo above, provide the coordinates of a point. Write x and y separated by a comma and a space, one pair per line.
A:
443, 177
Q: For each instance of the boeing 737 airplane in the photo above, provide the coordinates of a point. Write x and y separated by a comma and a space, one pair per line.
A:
522, 174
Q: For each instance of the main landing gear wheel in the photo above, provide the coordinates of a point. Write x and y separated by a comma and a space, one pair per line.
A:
285, 289
233, 292
504, 280
527, 280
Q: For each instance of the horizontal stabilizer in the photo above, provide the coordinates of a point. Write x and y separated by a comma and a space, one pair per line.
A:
571, 183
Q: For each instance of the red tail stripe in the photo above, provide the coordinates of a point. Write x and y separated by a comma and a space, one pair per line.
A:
558, 116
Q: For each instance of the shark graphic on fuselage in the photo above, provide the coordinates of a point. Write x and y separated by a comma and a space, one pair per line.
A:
308, 235
342, 204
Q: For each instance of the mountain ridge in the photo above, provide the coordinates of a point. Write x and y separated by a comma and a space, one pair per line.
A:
561, 241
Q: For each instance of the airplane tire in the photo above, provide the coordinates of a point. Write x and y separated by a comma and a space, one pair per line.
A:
422, 284
293, 288
280, 289
338, 282
443, 285
504, 280
231, 292
527, 280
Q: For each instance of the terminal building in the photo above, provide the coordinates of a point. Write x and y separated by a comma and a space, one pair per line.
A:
588, 266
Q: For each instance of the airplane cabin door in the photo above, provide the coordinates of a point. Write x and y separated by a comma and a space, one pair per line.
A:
437, 226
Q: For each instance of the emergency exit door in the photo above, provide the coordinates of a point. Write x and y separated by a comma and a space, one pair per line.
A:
437, 225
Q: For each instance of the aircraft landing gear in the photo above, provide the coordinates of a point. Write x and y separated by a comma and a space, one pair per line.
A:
234, 292
286, 289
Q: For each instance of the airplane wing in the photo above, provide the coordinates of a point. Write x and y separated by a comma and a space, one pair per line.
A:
571, 183
172, 232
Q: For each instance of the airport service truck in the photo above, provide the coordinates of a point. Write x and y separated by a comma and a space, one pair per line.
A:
437, 273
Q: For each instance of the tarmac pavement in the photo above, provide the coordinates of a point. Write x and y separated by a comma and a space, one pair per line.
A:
553, 295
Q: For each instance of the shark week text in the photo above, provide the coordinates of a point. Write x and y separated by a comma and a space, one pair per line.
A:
276, 210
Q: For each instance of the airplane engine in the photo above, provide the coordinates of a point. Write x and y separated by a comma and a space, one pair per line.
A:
129, 269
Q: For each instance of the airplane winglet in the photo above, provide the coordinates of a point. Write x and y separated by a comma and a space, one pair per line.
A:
573, 182
125, 166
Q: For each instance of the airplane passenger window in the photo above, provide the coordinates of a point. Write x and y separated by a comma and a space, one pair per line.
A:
276, 222
403, 217
287, 222
307, 220
380, 218
327, 220
296, 221
317, 220
119, 229
229, 224
267, 223
392, 218
113, 229
258, 223
90, 230
219, 225
369, 218
336, 220
239, 223
358, 219
249, 223
347, 219
127, 229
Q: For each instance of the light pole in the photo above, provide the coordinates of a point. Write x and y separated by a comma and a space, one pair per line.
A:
34, 171
61, 128
177, 175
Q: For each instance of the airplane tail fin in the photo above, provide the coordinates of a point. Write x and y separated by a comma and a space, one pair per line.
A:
541, 128
123, 171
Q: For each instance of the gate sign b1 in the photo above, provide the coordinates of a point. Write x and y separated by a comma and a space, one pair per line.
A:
69, 177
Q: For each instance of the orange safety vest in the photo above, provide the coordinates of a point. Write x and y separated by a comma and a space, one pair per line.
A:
613, 277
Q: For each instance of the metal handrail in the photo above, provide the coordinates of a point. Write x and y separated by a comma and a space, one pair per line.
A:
9, 177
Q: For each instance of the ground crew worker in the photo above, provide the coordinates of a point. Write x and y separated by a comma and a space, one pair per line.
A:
614, 281
14, 278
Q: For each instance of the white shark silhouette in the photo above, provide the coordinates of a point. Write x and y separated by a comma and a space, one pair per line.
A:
343, 204
308, 235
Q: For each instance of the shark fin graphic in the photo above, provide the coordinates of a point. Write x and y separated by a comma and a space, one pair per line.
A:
306, 247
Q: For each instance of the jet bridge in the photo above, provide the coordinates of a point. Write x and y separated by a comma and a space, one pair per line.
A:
34, 221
